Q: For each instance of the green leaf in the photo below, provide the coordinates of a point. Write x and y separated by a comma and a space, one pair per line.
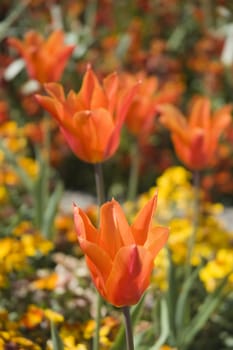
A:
51, 210
10, 157
171, 295
135, 311
16, 11
206, 309
164, 325
56, 340
181, 305
41, 192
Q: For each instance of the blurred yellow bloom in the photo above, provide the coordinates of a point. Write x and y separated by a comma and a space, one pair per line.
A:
33, 317
3, 194
53, 316
13, 136
35, 243
159, 277
47, 282
180, 231
216, 269
89, 329
29, 165
12, 256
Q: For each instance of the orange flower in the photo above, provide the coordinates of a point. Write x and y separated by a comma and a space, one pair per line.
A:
120, 257
196, 139
142, 111
140, 117
45, 59
90, 120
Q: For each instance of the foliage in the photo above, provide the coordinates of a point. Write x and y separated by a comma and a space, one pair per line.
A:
47, 299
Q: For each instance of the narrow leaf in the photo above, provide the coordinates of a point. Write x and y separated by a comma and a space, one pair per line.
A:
183, 298
206, 309
164, 326
50, 211
56, 340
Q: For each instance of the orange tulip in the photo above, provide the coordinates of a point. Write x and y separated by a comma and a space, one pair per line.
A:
90, 120
196, 138
120, 257
45, 59
142, 111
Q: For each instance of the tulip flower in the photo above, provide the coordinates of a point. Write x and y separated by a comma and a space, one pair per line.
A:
142, 111
45, 59
120, 256
91, 119
196, 138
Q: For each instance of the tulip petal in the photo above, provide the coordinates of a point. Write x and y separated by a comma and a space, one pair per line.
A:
111, 84
156, 239
49, 104
142, 223
130, 276
125, 101
115, 230
174, 120
56, 91
83, 226
93, 129
221, 119
101, 261
200, 114
91, 92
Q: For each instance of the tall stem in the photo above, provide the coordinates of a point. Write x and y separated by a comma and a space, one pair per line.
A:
196, 213
128, 328
134, 171
100, 199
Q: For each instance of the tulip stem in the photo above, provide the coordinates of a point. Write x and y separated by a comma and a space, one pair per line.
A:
100, 199
99, 181
134, 171
196, 213
128, 328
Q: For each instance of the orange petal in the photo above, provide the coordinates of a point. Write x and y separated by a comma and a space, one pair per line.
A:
83, 226
98, 257
221, 120
111, 84
56, 91
49, 104
200, 114
156, 239
174, 120
125, 101
130, 276
142, 223
91, 93
115, 231
54, 41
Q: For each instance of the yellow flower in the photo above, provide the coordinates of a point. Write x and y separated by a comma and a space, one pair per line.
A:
29, 165
48, 282
180, 231
159, 277
33, 317
53, 316
3, 194
216, 269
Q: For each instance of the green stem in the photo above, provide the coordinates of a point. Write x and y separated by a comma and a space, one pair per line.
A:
134, 171
128, 328
100, 199
196, 213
